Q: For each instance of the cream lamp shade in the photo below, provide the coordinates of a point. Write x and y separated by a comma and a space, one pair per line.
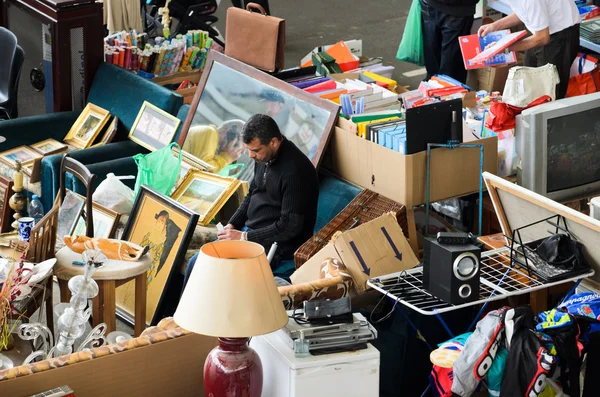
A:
231, 293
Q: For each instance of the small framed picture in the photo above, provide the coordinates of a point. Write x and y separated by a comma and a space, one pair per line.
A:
204, 193
5, 211
24, 154
87, 126
109, 134
153, 128
105, 222
49, 146
68, 214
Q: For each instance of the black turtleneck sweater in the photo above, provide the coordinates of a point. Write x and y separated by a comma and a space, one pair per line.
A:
281, 205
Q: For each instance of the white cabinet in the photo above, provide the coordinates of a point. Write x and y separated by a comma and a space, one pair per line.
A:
348, 374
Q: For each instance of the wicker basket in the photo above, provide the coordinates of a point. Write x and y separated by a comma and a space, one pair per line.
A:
365, 207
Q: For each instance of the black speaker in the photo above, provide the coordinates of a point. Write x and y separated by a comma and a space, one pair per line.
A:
451, 272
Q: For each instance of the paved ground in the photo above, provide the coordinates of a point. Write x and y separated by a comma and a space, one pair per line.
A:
311, 23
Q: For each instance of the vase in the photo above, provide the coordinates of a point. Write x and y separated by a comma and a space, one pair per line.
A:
233, 369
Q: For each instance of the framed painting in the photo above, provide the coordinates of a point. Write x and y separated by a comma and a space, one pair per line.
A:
87, 126
105, 222
49, 146
109, 134
5, 210
24, 154
153, 128
205, 193
166, 228
229, 92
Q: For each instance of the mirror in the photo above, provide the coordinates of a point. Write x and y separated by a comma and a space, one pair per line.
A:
228, 93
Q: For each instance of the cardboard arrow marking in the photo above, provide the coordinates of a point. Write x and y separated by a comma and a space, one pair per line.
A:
397, 253
366, 270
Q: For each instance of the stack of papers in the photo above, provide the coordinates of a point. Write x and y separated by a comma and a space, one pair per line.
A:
590, 30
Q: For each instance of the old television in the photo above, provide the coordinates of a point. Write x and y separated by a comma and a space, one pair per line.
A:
558, 144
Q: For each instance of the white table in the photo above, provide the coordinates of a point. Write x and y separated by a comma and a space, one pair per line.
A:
348, 374
504, 8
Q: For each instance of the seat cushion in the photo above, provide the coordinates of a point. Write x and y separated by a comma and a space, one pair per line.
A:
334, 195
113, 270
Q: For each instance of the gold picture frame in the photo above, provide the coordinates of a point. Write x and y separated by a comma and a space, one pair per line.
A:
205, 193
153, 128
49, 146
25, 154
110, 132
87, 126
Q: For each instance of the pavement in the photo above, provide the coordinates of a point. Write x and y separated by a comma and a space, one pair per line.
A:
311, 23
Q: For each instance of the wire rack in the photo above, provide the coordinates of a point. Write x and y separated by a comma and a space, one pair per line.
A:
498, 280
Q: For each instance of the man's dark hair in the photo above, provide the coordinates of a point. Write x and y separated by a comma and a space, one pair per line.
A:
262, 127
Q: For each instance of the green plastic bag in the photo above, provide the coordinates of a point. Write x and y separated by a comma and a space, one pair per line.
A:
411, 45
158, 170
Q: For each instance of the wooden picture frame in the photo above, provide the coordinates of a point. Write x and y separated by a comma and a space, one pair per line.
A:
516, 207
22, 153
110, 132
160, 223
153, 128
230, 90
205, 193
5, 210
49, 146
105, 221
87, 126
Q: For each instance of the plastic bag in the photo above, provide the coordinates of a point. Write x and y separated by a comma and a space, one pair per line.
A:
411, 45
158, 170
114, 195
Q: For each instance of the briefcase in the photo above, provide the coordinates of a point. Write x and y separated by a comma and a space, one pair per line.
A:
255, 38
365, 207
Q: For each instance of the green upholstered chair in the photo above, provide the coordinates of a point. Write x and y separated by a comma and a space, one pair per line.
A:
117, 90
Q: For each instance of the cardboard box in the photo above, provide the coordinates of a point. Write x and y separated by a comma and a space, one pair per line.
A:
373, 249
489, 79
402, 178
169, 368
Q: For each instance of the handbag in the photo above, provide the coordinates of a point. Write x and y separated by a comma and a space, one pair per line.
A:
584, 82
526, 84
255, 38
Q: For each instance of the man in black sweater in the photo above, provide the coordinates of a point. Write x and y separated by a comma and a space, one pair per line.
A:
281, 205
443, 22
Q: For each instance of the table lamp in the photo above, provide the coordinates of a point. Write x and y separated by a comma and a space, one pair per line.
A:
231, 294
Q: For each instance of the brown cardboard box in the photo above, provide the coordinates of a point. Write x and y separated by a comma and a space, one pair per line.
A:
402, 178
169, 368
373, 249
489, 79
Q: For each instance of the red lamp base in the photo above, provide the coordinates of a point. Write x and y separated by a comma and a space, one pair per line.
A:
233, 369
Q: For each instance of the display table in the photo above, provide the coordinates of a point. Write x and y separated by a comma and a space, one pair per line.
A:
350, 374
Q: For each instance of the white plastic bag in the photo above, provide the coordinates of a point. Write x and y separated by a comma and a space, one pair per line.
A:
114, 194
526, 84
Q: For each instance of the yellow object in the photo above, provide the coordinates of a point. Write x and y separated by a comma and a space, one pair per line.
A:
392, 84
202, 142
444, 357
362, 127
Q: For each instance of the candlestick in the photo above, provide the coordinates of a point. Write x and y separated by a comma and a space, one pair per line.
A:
17, 201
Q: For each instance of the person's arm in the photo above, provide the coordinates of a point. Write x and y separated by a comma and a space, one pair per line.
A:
291, 221
538, 39
507, 22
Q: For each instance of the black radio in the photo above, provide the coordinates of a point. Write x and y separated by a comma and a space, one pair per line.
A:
454, 238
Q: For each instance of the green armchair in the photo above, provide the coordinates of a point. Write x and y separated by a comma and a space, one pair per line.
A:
114, 89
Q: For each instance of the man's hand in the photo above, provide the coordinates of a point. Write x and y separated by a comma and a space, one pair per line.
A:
485, 29
229, 226
229, 234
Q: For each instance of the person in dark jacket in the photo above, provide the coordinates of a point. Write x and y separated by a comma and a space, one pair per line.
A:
444, 21
281, 205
